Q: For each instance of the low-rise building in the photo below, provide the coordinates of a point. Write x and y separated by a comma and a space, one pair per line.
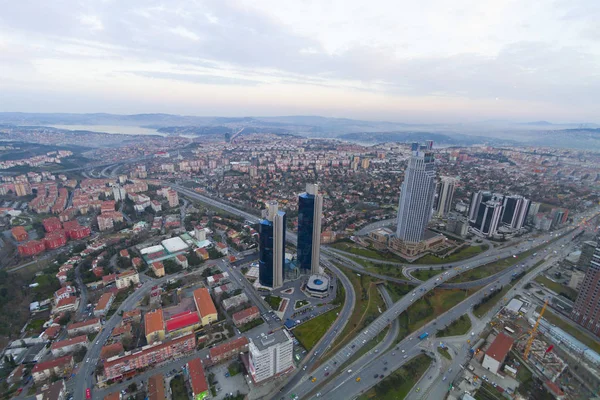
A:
496, 353
19, 234
111, 350
202, 253
217, 279
132, 316
181, 260
156, 387
89, 326
197, 379
221, 248
154, 326
69, 345
235, 301
67, 305
60, 367
52, 391
228, 350
158, 268
183, 323
243, 317
127, 279
148, 356
104, 304
108, 279
64, 292
205, 306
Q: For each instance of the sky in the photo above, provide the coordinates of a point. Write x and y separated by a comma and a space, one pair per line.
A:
408, 61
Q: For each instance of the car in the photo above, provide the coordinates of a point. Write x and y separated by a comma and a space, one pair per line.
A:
450, 370
418, 389
403, 350
349, 371
326, 373
304, 368
313, 380
319, 394
376, 375
358, 379
405, 356
394, 353
444, 378
385, 368
88, 393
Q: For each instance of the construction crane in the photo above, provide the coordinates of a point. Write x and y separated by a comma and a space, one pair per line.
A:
533, 331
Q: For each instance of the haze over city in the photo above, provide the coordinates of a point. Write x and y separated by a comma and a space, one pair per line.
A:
433, 61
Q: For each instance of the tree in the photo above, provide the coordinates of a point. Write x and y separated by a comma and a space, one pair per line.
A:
132, 388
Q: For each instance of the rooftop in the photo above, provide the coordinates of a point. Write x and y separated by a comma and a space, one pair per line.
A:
197, 378
111, 350
204, 302
52, 364
156, 387
245, 313
69, 342
103, 301
154, 322
229, 346
500, 347
274, 338
182, 320
81, 324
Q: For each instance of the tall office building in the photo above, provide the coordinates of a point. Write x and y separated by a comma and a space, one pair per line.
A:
586, 311
416, 196
445, 194
515, 211
270, 355
488, 217
310, 210
477, 199
271, 246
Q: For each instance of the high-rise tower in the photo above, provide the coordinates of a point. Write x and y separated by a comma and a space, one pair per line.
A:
587, 306
310, 210
416, 196
272, 246
445, 195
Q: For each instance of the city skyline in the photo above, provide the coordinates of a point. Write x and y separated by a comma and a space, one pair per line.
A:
477, 60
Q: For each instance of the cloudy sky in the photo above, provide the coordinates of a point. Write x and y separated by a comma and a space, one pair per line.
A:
414, 61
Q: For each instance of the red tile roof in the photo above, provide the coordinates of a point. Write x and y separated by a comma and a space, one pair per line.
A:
197, 377
204, 302
67, 301
229, 346
81, 324
52, 331
154, 322
69, 342
182, 320
500, 347
156, 387
43, 366
111, 350
240, 315
103, 301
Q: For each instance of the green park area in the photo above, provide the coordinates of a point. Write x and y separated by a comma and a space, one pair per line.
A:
273, 301
557, 288
310, 332
425, 274
400, 382
351, 247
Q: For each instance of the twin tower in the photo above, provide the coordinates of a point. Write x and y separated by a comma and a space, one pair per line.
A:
272, 230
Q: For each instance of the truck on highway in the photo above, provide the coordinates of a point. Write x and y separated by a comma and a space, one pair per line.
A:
423, 336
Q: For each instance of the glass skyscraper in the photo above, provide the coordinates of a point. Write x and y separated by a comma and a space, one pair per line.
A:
310, 209
416, 194
271, 261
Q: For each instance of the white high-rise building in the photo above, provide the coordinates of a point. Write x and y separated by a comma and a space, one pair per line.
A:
417, 193
445, 196
119, 193
271, 355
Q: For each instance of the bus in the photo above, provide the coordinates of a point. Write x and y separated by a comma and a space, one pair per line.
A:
509, 330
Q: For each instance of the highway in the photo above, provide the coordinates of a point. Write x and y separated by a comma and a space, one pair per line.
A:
345, 384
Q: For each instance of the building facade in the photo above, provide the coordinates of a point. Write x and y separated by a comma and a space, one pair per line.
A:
445, 196
310, 212
271, 355
417, 193
586, 311
272, 246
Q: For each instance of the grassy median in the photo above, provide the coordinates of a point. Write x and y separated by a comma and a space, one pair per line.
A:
457, 327
399, 383
310, 332
462, 254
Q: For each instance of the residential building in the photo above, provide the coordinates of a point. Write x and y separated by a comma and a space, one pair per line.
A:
60, 367
158, 268
586, 311
182, 323
67, 305
119, 193
89, 326
272, 246
134, 315
105, 222
587, 253
173, 198
197, 379
228, 350
234, 301
154, 326
243, 317
416, 194
104, 304
205, 306
444, 196
310, 213
497, 352
32, 248
69, 345
113, 396
221, 248
111, 350
576, 278
271, 355
19, 233
148, 356
181, 260
127, 279
64, 292
156, 388
54, 391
